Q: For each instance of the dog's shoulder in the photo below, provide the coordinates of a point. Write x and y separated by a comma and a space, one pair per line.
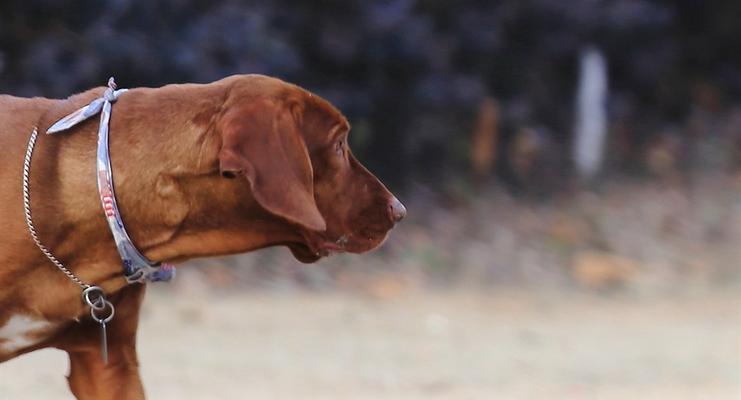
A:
58, 108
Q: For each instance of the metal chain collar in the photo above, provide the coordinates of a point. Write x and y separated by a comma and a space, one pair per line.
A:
29, 219
92, 295
101, 310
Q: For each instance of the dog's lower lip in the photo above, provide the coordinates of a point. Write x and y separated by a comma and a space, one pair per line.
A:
332, 246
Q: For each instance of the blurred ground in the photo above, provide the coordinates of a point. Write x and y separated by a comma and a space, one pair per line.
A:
436, 345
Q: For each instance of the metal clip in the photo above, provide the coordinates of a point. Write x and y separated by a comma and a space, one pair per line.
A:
102, 312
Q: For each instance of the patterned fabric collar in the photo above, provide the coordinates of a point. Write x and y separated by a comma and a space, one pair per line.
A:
137, 268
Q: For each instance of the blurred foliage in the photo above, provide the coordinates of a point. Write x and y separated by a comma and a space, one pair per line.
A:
409, 74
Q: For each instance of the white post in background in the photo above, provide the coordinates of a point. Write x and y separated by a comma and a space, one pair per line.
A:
591, 114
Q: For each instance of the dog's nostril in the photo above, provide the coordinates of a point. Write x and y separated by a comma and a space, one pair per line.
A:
397, 210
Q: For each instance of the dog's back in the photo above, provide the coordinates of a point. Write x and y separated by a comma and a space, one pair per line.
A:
16, 111
18, 116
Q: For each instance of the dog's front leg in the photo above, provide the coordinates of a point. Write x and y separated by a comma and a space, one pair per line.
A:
89, 377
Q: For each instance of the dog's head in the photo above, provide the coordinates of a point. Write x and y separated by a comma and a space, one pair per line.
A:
290, 149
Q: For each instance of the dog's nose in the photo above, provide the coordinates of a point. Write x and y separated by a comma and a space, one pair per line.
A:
397, 210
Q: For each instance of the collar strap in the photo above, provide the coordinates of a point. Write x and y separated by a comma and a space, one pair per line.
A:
137, 267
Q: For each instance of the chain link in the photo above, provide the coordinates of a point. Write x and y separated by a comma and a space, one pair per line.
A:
29, 220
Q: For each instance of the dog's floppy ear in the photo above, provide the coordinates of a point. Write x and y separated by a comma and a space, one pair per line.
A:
261, 141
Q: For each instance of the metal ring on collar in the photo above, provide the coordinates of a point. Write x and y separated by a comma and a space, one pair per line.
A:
99, 319
94, 297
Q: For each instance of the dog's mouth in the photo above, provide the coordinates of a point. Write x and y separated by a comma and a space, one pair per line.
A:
302, 253
312, 251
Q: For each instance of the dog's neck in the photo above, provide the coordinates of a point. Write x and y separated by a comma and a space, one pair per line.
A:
172, 200
179, 207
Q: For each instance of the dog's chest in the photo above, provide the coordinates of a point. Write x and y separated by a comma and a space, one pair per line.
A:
22, 331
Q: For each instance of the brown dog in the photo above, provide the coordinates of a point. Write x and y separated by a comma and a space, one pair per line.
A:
228, 167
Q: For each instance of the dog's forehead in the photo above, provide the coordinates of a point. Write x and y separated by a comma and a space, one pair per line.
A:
321, 118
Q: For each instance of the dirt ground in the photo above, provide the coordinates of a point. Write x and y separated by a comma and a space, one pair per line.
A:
453, 345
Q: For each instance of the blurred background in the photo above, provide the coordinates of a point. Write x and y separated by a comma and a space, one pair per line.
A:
572, 171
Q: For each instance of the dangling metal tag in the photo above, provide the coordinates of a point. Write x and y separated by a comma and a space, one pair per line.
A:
103, 343
102, 312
